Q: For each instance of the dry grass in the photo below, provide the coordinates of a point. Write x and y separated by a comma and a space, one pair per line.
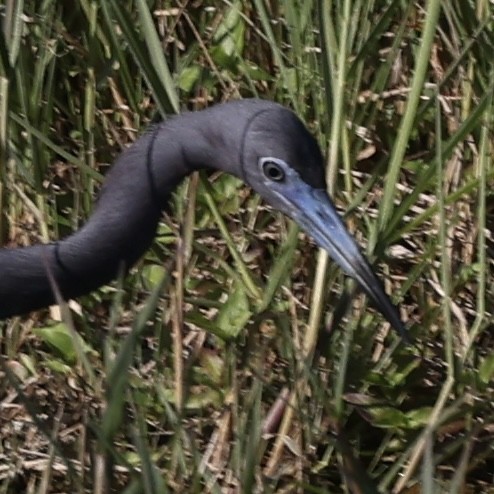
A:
163, 392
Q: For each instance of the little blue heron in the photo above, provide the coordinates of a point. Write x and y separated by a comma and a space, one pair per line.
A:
258, 141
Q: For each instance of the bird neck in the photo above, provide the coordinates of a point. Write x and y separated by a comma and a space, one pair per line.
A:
129, 207
124, 220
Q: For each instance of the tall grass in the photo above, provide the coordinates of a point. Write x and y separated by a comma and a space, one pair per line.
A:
234, 357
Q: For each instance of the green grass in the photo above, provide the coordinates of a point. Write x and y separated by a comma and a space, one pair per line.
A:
235, 357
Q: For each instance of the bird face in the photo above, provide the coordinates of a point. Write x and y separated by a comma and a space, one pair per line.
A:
281, 184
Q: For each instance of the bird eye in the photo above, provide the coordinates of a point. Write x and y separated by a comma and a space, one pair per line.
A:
273, 171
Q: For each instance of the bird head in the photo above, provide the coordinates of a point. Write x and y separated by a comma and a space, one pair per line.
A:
282, 161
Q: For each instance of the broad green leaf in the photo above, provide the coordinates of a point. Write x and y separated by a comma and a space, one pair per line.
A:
61, 339
58, 366
189, 77
229, 39
389, 417
235, 314
486, 370
153, 274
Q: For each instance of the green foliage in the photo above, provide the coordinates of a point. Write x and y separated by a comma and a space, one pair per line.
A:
60, 338
234, 314
177, 377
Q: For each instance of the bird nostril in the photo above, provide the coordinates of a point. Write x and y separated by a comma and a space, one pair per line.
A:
319, 212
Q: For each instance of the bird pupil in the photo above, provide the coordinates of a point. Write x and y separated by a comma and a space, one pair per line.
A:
273, 171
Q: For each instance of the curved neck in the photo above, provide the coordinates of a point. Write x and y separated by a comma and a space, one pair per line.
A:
126, 215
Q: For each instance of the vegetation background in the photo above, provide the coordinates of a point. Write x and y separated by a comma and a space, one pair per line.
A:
233, 358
